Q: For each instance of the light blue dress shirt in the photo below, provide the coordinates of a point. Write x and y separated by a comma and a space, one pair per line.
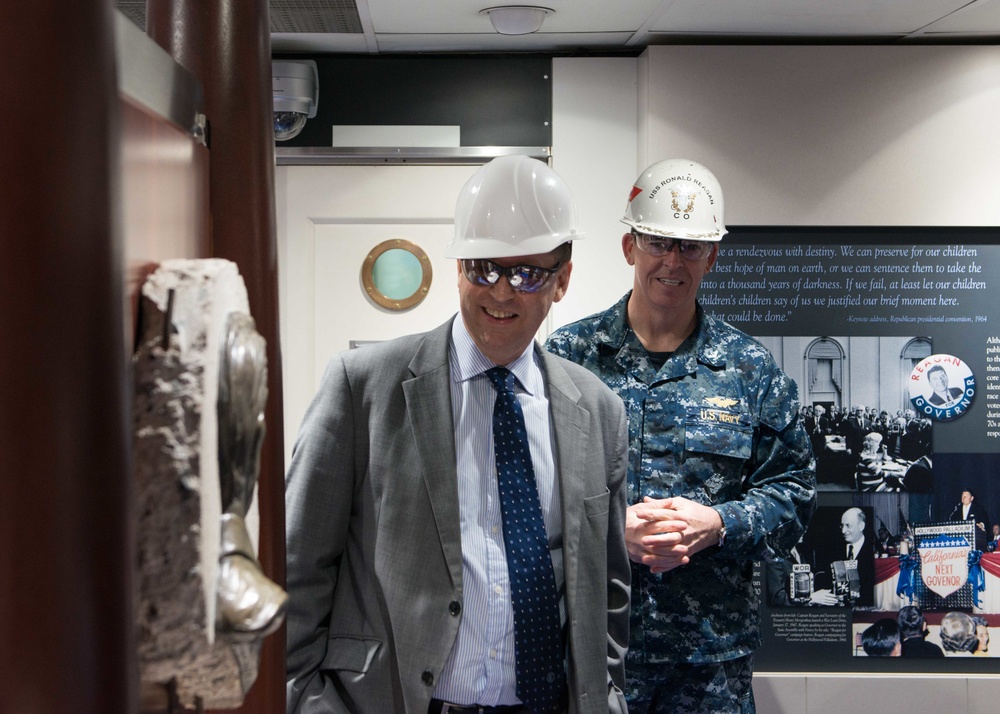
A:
481, 667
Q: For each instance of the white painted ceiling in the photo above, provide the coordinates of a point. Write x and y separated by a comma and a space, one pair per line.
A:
606, 26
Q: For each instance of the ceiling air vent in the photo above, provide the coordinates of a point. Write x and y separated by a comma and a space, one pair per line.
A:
327, 16
331, 16
134, 10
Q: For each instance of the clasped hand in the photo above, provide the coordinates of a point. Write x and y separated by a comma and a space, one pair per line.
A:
664, 533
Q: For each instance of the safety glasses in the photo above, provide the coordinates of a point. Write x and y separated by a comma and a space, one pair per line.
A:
523, 278
659, 246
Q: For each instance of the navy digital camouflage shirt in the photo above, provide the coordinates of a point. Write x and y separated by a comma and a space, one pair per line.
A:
719, 424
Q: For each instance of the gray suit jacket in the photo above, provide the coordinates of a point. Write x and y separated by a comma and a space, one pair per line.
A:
373, 540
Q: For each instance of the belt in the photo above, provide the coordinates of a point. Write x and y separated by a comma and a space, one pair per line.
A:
439, 707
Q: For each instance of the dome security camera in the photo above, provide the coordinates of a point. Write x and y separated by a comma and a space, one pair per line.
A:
295, 88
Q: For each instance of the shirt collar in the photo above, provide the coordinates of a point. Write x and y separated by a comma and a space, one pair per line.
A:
468, 361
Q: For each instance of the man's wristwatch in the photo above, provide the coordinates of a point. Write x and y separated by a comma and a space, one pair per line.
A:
722, 535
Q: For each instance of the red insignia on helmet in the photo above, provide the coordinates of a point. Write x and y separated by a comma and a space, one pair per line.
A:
635, 192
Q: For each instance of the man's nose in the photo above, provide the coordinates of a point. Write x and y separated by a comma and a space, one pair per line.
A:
502, 290
673, 254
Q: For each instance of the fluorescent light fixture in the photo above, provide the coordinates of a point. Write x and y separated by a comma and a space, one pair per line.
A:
517, 19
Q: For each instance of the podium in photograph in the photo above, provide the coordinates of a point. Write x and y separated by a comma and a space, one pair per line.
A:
943, 550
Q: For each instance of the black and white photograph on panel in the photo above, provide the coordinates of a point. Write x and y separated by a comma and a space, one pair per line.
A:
866, 435
833, 564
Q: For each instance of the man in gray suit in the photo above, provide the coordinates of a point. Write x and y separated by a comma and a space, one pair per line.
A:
399, 590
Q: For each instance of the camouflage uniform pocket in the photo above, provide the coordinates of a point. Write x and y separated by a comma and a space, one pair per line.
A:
722, 432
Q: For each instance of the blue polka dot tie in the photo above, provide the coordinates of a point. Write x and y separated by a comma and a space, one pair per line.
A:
537, 631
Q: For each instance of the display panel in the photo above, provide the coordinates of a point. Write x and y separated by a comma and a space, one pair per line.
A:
893, 337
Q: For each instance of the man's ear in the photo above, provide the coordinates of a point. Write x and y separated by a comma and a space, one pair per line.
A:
713, 256
628, 246
562, 281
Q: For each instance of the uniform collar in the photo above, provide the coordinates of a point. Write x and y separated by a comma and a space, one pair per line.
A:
698, 347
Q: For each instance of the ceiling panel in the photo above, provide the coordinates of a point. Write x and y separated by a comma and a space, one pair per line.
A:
976, 17
492, 42
803, 17
463, 16
402, 26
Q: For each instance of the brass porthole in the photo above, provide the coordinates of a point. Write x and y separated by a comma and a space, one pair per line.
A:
396, 274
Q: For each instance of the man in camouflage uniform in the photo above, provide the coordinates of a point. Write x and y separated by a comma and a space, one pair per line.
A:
719, 470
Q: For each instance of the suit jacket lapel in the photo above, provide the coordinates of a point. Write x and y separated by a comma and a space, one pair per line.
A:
571, 424
428, 407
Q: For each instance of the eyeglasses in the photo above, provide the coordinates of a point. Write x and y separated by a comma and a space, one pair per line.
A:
660, 246
523, 278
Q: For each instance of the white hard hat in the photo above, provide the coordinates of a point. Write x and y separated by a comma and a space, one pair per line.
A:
512, 206
677, 198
